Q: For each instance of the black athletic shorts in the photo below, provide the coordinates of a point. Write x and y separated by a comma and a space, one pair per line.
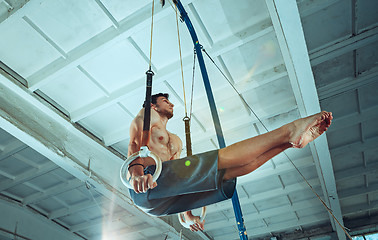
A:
185, 184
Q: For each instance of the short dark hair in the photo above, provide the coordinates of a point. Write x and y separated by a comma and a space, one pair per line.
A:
156, 96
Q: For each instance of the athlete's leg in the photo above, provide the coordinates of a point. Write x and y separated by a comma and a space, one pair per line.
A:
244, 157
246, 151
253, 165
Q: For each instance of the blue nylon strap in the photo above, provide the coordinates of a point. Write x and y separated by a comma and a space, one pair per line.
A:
214, 113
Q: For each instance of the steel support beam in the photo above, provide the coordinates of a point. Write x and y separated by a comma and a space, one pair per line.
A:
39, 126
287, 24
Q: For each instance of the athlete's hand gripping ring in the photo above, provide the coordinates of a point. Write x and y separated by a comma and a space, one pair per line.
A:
187, 225
144, 152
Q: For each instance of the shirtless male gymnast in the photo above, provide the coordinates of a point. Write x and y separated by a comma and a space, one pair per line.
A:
206, 178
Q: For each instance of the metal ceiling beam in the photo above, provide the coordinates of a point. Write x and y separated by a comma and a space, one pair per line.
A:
54, 190
250, 34
200, 26
42, 128
287, 24
112, 217
360, 208
108, 13
282, 169
356, 171
7, 4
274, 110
25, 222
12, 148
169, 71
27, 175
7, 175
117, 136
33, 186
323, 231
119, 32
355, 147
345, 46
260, 79
13, 7
340, 176
309, 7
282, 226
108, 38
96, 45
281, 210
311, 203
358, 191
27, 160
45, 36
356, 118
72, 209
347, 84
274, 193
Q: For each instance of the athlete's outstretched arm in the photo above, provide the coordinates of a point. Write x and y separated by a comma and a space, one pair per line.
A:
139, 181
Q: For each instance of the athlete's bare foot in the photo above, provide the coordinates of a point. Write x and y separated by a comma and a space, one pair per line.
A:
307, 129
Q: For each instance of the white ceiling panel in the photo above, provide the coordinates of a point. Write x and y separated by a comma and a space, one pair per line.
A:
36, 51
368, 96
337, 68
280, 98
366, 14
123, 9
114, 68
73, 90
113, 116
165, 49
232, 17
236, 134
330, 25
257, 56
59, 20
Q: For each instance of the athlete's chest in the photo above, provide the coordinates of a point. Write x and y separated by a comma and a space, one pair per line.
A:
160, 136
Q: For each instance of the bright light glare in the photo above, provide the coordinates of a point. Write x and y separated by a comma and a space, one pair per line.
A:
373, 236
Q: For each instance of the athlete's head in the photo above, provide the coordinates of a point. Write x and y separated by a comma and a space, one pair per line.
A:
156, 96
161, 104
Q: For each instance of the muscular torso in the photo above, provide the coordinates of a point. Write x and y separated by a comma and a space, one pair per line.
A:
163, 143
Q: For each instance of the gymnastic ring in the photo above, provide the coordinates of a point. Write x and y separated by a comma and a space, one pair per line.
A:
187, 225
144, 152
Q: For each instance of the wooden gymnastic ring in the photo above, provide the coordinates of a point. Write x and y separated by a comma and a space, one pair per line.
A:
187, 225
142, 153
